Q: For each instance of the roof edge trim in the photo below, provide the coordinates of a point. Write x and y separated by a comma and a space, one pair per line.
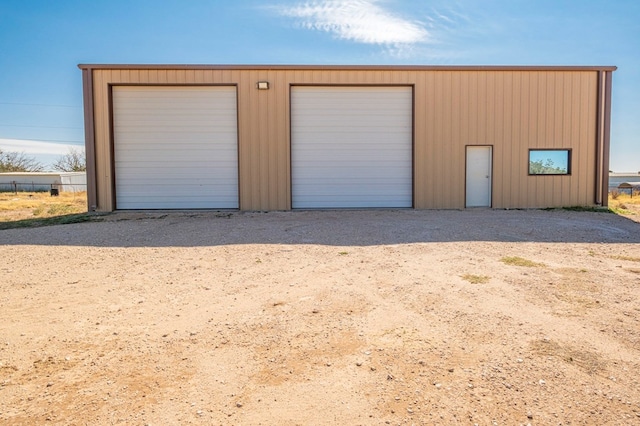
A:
352, 67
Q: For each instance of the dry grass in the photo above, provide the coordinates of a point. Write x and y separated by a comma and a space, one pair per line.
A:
623, 203
627, 258
519, 261
476, 279
40, 205
589, 362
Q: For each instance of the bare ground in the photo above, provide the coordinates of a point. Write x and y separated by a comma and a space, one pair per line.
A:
335, 317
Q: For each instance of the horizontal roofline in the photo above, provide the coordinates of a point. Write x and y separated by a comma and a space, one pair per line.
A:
351, 67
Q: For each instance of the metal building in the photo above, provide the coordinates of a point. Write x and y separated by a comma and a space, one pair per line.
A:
287, 137
43, 181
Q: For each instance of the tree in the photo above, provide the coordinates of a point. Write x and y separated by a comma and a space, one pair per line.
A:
72, 161
18, 162
548, 168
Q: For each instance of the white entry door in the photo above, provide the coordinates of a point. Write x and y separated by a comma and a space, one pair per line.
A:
478, 186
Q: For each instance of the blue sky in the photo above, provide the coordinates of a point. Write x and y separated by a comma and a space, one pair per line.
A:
42, 41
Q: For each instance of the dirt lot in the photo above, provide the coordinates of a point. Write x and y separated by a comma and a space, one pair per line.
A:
324, 318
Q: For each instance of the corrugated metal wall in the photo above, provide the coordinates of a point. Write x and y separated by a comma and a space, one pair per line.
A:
512, 110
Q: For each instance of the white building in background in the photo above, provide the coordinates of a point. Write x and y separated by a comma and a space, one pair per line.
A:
43, 181
616, 179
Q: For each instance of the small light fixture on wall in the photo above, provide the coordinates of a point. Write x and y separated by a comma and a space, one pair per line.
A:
262, 85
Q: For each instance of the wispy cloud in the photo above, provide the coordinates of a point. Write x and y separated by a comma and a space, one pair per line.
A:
44, 152
33, 147
361, 21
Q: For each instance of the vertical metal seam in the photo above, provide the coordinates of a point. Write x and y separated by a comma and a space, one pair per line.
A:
112, 146
89, 138
606, 137
599, 133
413, 145
239, 174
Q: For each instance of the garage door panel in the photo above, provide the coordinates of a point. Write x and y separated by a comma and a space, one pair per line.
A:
175, 147
348, 202
386, 123
134, 124
183, 155
177, 144
177, 182
150, 203
364, 193
338, 180
351, 147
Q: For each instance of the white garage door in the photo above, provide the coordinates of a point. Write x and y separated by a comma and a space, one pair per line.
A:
351, 147
175, 147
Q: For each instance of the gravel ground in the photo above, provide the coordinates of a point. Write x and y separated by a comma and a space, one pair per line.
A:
323, 317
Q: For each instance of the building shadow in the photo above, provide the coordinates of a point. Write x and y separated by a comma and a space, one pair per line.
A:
328, 227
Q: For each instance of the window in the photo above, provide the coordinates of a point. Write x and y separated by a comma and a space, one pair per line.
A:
549, 161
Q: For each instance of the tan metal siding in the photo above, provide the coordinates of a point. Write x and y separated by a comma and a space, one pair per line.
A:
103, 146
512, 110
420, 127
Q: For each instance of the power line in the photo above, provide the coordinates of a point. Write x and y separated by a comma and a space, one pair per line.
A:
54, 140
46, 140
40, 127
45, 105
